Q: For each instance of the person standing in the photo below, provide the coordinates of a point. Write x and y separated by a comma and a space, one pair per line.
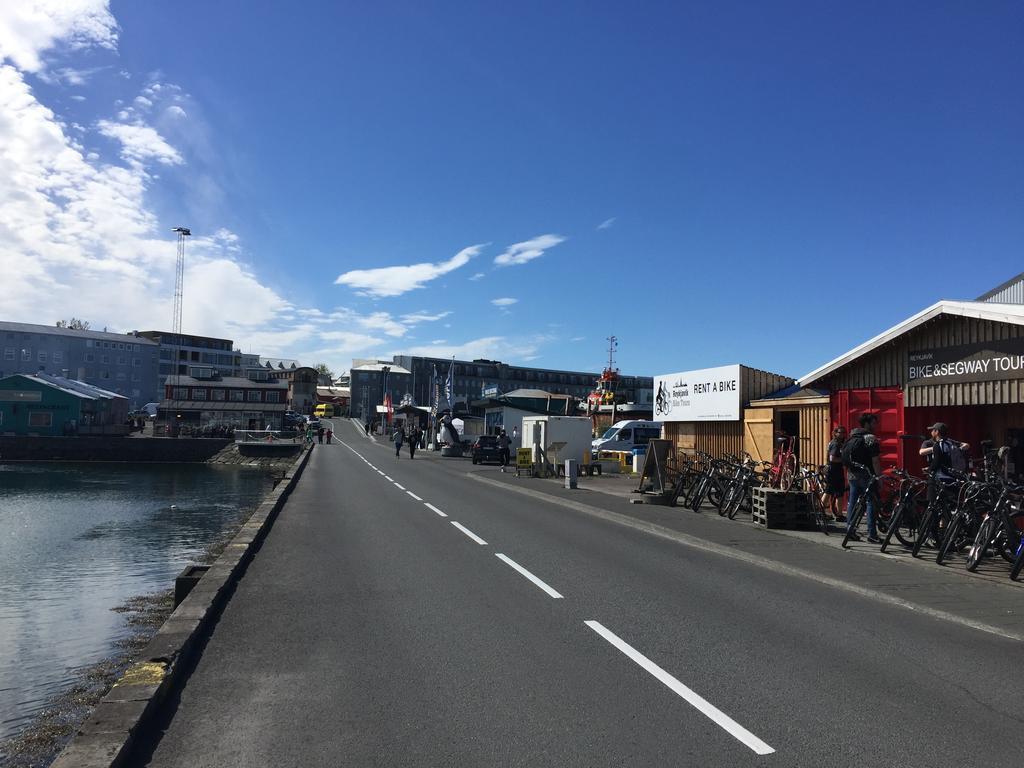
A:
320, 434
504, 443
398, 442
861, 455
330, 434
943, 456
367, 427
835, 478
414, 441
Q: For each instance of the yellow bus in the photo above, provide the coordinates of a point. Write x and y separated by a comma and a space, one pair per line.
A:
324, 411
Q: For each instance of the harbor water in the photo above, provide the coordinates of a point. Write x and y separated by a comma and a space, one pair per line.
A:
78, 540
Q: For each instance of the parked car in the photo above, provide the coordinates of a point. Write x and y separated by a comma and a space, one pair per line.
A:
486, 448
626, 435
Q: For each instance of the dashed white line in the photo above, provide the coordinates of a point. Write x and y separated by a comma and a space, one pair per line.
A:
708, 709
528, 575
432, 508
399, 486
468, 532
414, 496
388, 479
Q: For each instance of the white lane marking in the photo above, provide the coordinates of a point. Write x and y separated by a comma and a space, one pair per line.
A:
380, 472
708, 709
399, 486
528, 575
432, 508
414, 496
388, 479
468, 532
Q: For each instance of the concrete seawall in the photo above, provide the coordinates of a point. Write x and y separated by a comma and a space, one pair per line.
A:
133, 449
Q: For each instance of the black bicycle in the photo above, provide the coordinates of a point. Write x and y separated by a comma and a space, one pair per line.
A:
908, 510
943, 494
999, 529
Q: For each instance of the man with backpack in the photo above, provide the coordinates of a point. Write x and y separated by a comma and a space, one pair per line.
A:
944, 454
861, 456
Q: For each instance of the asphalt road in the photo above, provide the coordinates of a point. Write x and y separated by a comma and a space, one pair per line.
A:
401, 614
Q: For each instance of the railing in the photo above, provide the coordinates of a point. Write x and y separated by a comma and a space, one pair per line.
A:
268, 436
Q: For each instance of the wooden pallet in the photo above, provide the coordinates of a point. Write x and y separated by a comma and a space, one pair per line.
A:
774, 508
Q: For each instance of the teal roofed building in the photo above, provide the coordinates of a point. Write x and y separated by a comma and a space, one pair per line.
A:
45, 406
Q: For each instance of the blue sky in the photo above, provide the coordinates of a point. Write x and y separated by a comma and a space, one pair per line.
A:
768, 184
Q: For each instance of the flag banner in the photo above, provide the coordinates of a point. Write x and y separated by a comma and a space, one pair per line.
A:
449, 383
435, 393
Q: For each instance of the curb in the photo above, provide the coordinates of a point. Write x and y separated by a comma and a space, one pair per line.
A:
107, 737
695, 542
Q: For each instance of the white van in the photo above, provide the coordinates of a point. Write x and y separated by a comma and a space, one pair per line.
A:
627, 435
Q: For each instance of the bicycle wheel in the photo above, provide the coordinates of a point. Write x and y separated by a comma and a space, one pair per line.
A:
715, 495
854, 521
698, 494
949, 540
734, 507
908, 528
985, 535
727, 501
788, 474
923, 531
894, 525
1018, 564
818, 510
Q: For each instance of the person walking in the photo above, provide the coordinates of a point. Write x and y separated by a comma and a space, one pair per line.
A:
367, 427
414, 441
835, 478
504, 443
397, 437
861, 457
320, 434
330, 434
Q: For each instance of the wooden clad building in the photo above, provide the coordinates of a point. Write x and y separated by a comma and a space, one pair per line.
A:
720, 433
797, 412
961, 363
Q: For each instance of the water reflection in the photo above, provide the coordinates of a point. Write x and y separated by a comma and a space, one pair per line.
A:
79, 539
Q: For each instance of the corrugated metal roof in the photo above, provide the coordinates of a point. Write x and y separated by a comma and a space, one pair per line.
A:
179, 380
979, 310
378, 366
72, 387
1010, 292
90, 334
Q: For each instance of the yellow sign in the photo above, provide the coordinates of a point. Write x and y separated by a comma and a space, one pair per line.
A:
524, 458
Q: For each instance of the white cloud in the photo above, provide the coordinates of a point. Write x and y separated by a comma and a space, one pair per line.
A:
505, 302
175, 111
394, 281
578, 338
143, 102
606, 223
423, 317
528, 250
140, 142
29, 29
490, 347
477, 276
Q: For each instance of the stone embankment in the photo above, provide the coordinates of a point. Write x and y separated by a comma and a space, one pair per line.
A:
280, 456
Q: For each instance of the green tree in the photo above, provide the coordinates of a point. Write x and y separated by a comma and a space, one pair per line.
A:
323, 370
75, 324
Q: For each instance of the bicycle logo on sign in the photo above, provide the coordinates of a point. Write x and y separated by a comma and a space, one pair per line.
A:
661, 405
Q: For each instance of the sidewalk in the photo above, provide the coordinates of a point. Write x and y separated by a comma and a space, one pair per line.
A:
988, 600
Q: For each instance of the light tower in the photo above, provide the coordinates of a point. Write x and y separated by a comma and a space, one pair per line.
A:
179, 289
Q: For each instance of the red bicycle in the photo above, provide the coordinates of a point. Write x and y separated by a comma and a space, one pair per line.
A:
784, 467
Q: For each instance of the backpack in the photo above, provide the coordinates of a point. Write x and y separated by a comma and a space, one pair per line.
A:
954, 453
851, 448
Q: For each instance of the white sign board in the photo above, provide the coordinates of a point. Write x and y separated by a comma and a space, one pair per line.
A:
710, 394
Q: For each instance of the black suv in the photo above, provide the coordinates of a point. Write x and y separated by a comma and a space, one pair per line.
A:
486, 448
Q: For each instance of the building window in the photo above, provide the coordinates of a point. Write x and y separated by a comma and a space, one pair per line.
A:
136, 362
136, 393
105, 359
122, 361
26, 355
88, 343
89, 357
273, 397
9, 353
218, 394
181, 393
58, 357
198, 393
42, 357
253, 396
104, 374
122, 376
237, 395
40, 419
